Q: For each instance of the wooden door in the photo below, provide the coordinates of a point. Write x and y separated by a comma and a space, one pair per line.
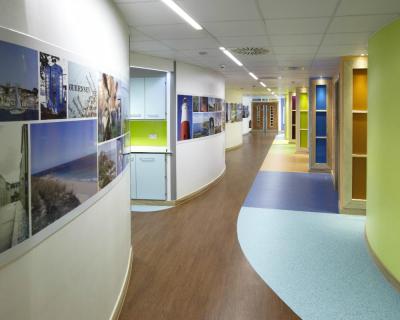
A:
258, 116
272, 116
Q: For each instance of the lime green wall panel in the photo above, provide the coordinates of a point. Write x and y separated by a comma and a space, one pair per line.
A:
151, 133
383, 173
303, 101
304, 139
303, 120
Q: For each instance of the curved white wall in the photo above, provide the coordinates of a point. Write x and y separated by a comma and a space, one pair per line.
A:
199, 161
78, 271
233, 134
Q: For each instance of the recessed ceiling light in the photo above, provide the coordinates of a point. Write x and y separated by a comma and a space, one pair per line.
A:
253, 75
272, 92
231, 56
263, 84
269, 89
179, 11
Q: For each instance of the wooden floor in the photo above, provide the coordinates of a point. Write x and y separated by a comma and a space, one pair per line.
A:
284, 158
187, 262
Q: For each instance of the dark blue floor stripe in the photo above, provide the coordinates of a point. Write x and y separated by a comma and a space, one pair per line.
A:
293, 191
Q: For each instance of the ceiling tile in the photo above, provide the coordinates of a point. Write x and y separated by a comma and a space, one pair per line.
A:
297, 26
239, 42
142, 46
236, 28
136, 35
369, 23
360, 7
273, 9
220, 10
172, 31
296, 40
346, 38
148, 13
188, 44
338, 51
295, 50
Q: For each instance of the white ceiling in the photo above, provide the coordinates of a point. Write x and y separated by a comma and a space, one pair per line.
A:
310, 34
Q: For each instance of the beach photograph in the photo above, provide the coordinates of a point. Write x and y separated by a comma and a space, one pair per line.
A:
14, 196
200, 125
107, 158
218, 122
109, 112
63, 169
52, 87
18, 83
82, 91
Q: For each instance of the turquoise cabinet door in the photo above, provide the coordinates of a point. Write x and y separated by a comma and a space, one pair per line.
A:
150, 176
133, 176
137, 98
155, 98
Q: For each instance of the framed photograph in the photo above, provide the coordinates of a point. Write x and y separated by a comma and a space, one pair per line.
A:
63, 168
107, 159
18, 83
185, 117
82, 91
14, 195
53, 87
109, 112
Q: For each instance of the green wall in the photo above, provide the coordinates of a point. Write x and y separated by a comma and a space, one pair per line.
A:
150, 133
383, 179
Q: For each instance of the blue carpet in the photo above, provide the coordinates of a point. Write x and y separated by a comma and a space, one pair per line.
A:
317, 263
293, 191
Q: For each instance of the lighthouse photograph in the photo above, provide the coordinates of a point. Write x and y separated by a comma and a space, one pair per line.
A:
185, 117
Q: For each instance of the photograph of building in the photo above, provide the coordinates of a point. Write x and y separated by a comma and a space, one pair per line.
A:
82, 91
14, 207
64, 169
53, 87
109, 113
18, 83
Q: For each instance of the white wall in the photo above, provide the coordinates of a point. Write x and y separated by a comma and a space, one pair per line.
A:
76, 272
199, 161
233, 134
245, 125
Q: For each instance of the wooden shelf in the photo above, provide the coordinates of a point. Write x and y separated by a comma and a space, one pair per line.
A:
321, 137
355, 155
360, 111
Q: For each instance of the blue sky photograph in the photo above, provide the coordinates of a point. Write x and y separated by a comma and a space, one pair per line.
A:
18, 65
56, 143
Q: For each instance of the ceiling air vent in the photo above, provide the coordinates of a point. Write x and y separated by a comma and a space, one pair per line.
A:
250, 51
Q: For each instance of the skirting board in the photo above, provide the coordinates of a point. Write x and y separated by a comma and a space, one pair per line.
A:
388, 275
234, 147
122, 294
200, 191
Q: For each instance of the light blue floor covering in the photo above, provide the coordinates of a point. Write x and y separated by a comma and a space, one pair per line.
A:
317, 263
142, 208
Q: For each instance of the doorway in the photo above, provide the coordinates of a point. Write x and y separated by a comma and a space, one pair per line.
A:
258, 115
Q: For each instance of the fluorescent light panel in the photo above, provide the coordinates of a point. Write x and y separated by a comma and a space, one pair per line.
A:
263, 84
269, 89
179, 11
253, 75
231, 56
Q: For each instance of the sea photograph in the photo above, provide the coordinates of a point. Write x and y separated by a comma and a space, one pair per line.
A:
63, 169
14, 197
200, 125
53, 87
107, 158
109, 113
82, 91
18, 83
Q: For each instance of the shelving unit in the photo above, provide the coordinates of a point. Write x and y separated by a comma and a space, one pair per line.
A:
302, 106
292, 117
320, 131
353, 123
